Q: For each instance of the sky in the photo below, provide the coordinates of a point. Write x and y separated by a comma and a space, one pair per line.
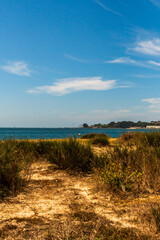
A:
69, 62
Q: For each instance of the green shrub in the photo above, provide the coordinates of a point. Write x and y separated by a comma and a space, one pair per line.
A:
101, 140
126, 138
12, 162
118, 178
151, 139
130, 168
44, 148
71, 154
141, 139
93, 135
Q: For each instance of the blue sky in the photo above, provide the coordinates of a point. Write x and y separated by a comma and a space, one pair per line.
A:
63, 63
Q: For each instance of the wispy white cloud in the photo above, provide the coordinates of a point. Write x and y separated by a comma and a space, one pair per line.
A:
75, 58
148, 47
126, 60
129, 61
154, 63
68, 85
154, 104
156, 3
17, 67
152, 100
146, 76
106, 8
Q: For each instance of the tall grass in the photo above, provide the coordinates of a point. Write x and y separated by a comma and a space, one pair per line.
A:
141, 139
73, 155
134, 166
13, 161
92, 135
99, 139
156, 214
16, 156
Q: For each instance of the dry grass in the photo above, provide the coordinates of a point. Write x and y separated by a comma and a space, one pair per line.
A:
56, 205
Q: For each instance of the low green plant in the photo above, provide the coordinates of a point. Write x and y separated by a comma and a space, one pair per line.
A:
93, 135
125, 168
71, 154
150, 139
119, 178
12, 162
44, 148
100, 140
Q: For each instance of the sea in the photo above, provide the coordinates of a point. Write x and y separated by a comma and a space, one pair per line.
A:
53, 133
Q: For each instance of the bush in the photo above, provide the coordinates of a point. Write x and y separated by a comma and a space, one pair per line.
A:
141, 139
119, 178
135, 169
93, 135
43, 148
117, 171
12, 162
101, 140
71, 154
151, 139
126, 137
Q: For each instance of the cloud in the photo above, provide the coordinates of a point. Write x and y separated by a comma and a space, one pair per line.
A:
148, 47
146, 76
107, 9
156, 3
152, 100
154, 104
17, 67
129, 61
154, 63
126, 60
68, 85
75, 58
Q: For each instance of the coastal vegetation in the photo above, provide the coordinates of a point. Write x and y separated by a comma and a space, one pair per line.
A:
99, 139
15, 159
123, 124
126, 165
126, 168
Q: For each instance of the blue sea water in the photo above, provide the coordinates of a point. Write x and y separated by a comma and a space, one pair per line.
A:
52, 133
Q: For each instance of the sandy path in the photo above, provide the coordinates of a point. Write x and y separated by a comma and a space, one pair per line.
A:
54, 200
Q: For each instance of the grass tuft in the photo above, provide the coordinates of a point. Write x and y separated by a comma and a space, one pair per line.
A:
99, 139
12, 161
73, 155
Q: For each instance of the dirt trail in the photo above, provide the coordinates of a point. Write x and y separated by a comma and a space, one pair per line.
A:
54, 203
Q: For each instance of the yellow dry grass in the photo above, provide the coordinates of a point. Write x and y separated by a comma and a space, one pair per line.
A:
54, 203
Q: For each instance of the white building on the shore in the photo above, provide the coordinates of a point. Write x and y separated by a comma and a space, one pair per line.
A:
153, 127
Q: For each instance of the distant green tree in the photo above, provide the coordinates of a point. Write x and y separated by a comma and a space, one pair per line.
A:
111, 125
141, 124
85, 125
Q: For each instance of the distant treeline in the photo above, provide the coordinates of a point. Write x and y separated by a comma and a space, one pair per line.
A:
122, 124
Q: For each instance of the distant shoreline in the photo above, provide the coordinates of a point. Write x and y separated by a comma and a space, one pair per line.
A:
147, 127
